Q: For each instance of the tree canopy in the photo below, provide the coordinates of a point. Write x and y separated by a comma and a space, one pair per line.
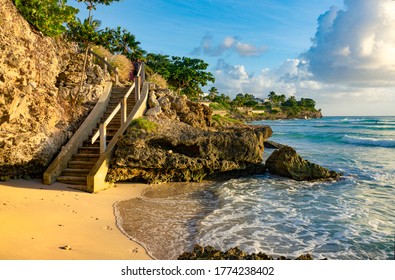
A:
185, 75
47, 16
121, 41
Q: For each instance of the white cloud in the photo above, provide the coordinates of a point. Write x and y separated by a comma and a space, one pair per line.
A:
355, 46
229, 43
348, 70
293, 78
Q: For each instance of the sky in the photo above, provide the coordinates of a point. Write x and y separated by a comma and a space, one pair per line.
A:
341, 53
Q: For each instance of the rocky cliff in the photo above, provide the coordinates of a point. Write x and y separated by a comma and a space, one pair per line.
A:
178, 143
40, 105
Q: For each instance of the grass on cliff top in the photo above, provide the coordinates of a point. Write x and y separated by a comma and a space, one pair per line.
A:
143, 123
225, 120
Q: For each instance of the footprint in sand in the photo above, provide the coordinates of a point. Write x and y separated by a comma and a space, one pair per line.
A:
66, 247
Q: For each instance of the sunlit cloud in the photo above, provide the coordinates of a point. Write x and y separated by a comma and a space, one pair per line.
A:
355, 46
229, 44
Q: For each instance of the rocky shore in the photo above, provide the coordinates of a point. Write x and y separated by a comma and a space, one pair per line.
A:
182, 144
178, 141
210, 253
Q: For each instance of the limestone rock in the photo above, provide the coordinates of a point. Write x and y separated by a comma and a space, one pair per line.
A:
286, 162
154, 111
152, 101
180, 152
38, 78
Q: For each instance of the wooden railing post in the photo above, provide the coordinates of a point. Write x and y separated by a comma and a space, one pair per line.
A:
105, 65
142, 73
137, 88
103, 137
116, 76
124, 113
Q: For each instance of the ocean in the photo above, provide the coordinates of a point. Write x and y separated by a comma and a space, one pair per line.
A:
353, 218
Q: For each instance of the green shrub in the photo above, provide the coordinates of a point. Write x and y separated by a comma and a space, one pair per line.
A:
143, 123
47, 16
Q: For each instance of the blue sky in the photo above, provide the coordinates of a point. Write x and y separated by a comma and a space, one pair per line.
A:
340, 53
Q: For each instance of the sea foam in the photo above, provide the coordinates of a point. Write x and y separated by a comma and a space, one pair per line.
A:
366, 141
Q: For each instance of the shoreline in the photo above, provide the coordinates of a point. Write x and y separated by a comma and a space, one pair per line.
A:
37, 221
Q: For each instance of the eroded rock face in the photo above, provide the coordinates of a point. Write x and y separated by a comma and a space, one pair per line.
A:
177, 151
286, 162
179, 107
38, 77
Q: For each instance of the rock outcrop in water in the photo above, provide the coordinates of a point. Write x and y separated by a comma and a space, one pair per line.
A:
210, 253
286, 162
184, 147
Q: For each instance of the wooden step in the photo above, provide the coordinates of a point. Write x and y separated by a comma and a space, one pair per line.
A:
96, 144
77, 164
72, 180
86, 157
75, 172
112, 128
89, 150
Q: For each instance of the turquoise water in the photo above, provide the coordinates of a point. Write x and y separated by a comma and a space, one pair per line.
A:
353, 218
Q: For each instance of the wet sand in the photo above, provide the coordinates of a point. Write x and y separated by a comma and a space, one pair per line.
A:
58, 223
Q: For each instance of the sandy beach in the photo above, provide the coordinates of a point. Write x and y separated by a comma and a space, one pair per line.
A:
58, 223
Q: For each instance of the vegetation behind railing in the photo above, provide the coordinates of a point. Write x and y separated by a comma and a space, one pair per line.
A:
107, 66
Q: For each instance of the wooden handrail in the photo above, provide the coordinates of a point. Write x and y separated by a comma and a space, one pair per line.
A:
122, 105
107, 65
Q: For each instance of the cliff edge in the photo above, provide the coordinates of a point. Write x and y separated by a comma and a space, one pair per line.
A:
40, 105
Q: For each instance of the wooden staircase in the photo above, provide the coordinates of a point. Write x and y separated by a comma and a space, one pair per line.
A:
88, 154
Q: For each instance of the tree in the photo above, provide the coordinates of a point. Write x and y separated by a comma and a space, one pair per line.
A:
47, 16
307, 103
276, 100
85, 33
291, 102
188, 74
212, 93
183, 74
91, 4
160, 64
122, 42
88, 29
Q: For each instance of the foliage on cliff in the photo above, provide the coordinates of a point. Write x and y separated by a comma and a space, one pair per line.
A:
47, 16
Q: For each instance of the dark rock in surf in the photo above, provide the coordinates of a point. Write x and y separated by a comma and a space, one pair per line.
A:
286, 162
210, 253
273, 145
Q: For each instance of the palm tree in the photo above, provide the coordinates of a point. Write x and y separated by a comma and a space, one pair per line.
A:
213, 92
